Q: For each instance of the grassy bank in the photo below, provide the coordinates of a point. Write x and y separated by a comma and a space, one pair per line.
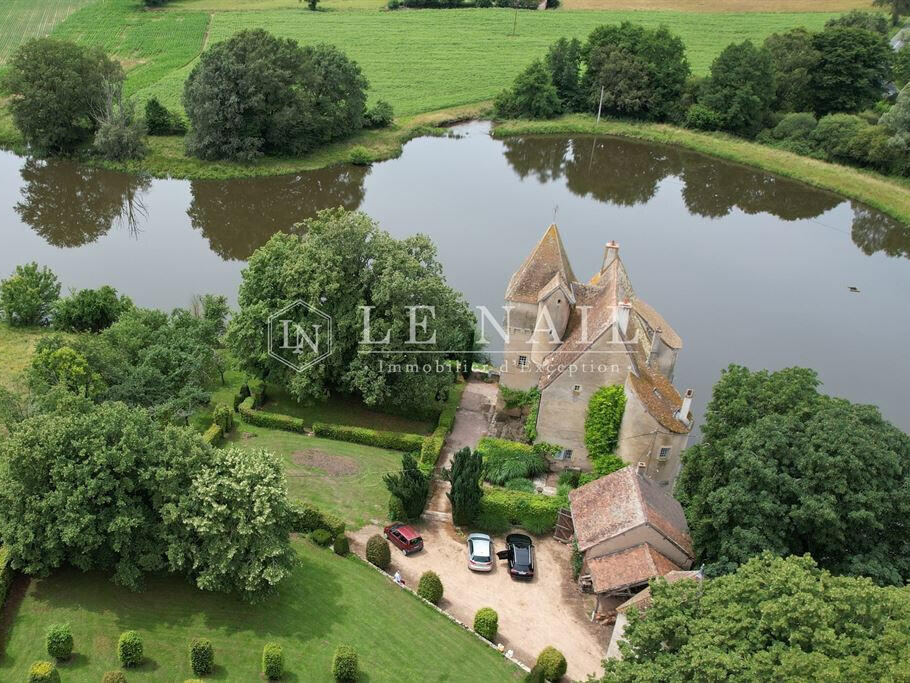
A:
328, 600
887, 194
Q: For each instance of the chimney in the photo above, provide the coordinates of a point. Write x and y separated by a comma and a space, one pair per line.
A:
611, 253
683, 413
622, 315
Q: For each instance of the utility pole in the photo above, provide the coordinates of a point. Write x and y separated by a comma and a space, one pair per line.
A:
601, 104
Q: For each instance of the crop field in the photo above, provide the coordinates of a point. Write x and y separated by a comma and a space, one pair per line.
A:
24, 19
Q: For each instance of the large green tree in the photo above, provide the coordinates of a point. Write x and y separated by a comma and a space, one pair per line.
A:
27, 296
786, 469
643, 71
853, 66
794, 58
106, 487
774, 619
532, 95
256, 94
896, 7
57, 89
349, 268
740, 88
564, 62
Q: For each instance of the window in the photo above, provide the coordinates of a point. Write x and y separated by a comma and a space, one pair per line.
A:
566, 454
664, 453
522, 362
576, 389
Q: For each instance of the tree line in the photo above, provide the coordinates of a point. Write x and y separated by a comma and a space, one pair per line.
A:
822, 94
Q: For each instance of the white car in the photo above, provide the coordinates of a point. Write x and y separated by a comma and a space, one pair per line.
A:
480, 553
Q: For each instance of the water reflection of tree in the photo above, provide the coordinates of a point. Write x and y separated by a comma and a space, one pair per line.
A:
620, 172
873, 232
628, 172
544, 158
238, 216
70, 204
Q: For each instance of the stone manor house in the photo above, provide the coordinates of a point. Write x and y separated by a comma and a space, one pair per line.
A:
569, 338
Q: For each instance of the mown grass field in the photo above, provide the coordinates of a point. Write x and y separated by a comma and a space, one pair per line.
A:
419, 61
338, 477
327, 601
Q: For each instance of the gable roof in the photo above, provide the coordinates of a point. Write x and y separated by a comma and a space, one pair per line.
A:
656, 321
546, 260
642, 599
627, 568
624, 500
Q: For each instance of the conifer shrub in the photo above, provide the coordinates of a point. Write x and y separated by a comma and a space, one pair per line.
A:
59, 641
341, 545
552, 663
272, 661
129, 649
378, 552
486, 622
344, 664
430, 587
202, 656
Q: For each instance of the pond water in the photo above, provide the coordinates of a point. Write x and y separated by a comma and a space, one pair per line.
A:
748, 267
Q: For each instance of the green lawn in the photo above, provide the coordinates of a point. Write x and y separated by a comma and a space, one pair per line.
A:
338, 477
342, 410
327, 601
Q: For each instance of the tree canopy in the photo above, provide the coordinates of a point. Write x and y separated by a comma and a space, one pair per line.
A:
740, 88
532, 95
853, 65
786, 469
58, 87
106, 487
343, 263
774, 619
256, 94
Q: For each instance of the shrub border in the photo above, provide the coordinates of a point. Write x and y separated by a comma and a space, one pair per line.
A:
435, 442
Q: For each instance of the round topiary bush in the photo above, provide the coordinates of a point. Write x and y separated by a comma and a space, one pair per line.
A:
321, 537
486, 622
114, 677
430, 587
378, 552
272, 661
551, 663
202, 656
344, 664
341, 545
59, 641
43, 672
129, 649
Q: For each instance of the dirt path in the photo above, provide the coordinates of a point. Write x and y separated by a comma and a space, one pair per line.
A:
471, 422
546, 611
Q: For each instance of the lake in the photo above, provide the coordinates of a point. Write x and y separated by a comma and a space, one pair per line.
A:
749, 268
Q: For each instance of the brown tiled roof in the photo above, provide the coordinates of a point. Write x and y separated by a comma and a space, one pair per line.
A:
627, 568
642, 599
546, 260
659, 397
624, 500
657, 322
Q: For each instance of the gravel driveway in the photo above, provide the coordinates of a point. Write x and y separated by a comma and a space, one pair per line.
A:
546, 611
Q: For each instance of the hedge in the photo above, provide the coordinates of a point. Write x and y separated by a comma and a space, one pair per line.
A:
202, 656
43, 672
344, 664
430, 587
6, 574
534, 512
396, 441
552, 663
321, 537
308, 518
433, 444
270, 420
378, 552
58, 641
129, 649
113, 677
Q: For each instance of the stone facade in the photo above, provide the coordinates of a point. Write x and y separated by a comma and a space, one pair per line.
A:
569, 338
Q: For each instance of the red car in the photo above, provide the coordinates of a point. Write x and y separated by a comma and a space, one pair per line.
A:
404, 537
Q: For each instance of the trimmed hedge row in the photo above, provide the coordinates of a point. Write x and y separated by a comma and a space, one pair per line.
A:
308, 518
212, 434
6, 574
433, 444
396, 441
501, 509
270, 420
